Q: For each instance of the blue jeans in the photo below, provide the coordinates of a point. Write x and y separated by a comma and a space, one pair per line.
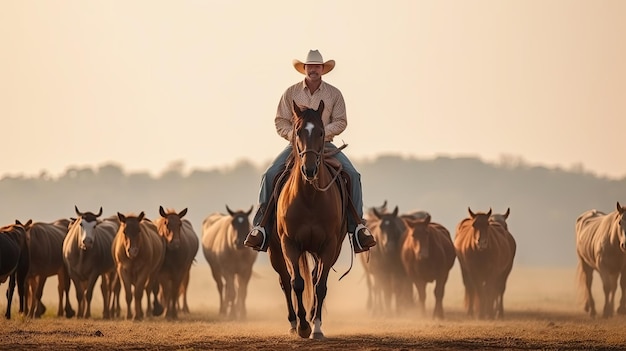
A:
277, 166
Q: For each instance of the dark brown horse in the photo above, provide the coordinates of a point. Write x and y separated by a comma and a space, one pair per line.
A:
486, 256
87, 255
310, 224
383, 265
230, 261
428, 255
181, 246
138, 252
45, 245
14, 262
601, 247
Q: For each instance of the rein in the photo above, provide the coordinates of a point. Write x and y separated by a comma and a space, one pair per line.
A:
320, 155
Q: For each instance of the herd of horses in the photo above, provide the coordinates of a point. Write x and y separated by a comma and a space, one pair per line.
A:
154, 258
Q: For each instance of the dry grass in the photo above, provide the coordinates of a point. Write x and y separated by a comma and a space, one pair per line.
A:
541, 306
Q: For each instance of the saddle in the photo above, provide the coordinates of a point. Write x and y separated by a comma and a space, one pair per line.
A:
342, 180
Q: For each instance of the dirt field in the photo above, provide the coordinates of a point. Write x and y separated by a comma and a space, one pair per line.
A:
541, 307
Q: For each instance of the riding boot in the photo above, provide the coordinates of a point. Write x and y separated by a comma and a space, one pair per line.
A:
361, 238
257, 238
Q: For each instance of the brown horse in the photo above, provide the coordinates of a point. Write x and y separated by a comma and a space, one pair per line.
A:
384, 269
485, 255
231, 263
310, 223
45, 245
601, 246
138, 252
87, 255
14, 262
428, 255
181, 246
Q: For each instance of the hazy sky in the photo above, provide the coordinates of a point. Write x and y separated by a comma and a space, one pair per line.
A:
145, 83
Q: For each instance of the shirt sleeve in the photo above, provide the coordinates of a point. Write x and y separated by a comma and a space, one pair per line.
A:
284, 117
338, 120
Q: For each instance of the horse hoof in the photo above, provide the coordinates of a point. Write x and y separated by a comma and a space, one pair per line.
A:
319, 336
304, 331
292, 331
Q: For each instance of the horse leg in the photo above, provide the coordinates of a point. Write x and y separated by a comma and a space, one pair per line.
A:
420, 286
609, 285
622, 301
440, 286
219, 282
278, 263
91, 283
242, 282
105, 288
229, 295
69, 311
292, 258
9, 294
321, 289
586, 275
80, 296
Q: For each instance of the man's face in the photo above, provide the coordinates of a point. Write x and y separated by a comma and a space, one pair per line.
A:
314, 72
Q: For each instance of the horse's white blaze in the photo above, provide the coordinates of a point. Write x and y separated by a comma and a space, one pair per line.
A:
240, 219
309, 127
87, 230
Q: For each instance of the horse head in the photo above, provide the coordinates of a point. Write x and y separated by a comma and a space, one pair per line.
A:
170, 227
480, 224
501, 218
240, 223
622, 226
88, 221
131, 229
417, 224
308, 139
391, 228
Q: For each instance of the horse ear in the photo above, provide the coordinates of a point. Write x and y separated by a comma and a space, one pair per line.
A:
140, 217
296, 109
100, 212
506, 214
230, 212
250, 210
320, 107
121, 217
77, 211
182, 213
395, 211
469, 210
620, 209
489, 213
162, 211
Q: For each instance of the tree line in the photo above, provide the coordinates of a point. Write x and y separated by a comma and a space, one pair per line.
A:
544, 202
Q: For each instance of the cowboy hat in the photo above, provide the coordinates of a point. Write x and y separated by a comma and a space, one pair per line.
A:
314, 58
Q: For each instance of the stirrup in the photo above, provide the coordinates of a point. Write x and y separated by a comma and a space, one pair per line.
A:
356, 237
262, 231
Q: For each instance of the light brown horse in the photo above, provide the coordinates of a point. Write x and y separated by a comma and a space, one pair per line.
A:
428, 255
485, 255
502, 219
181, 246
45, 245
138, 252
601, 246
14, 262
87, 255
310, 224
230, 261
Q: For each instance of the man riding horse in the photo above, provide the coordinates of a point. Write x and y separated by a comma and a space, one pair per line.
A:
309, 93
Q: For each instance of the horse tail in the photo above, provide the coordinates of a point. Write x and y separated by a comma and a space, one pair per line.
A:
305, 270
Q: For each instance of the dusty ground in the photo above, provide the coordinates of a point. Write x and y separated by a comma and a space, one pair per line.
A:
542, 313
